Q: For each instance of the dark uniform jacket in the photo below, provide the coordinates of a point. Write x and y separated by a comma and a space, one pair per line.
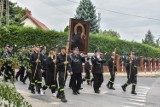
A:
44, 57
76, 63
110, 65
97, 65
60, 62
33, 59
87, 66
50, 65
131, 67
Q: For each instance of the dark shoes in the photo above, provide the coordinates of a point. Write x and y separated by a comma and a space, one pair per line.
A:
133, 92
112, 88
123, 88
29, 88
78, 92
74, 93
23, 82
108, 86
97, 91
32, 91
81, 88
63, 98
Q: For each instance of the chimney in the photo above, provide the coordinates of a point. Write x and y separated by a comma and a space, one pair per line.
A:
28, 12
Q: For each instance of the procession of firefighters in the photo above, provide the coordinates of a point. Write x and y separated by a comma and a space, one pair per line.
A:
55, 66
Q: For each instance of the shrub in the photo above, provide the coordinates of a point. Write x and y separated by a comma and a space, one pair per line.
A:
28, 36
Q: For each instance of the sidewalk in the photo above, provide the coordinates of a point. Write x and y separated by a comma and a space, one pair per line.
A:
140, 74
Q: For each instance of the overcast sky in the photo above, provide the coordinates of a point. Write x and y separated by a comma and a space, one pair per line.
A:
56, 13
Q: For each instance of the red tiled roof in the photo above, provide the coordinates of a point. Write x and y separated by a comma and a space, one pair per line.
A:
38, 23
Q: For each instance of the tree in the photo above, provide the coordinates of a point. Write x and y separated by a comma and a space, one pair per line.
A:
87, 11
15, 13
66, 28
149, 39
111, 33
157, 42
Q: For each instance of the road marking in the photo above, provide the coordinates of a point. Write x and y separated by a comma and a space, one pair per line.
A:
137, 97
143, 93
144, 87
125, 106
91, 92
56, 103
137, 100
135, 103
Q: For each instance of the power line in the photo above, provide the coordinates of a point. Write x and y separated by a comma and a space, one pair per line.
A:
72, 1
121, 13
150, 18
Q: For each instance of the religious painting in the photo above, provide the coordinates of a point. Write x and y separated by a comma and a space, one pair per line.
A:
79, 34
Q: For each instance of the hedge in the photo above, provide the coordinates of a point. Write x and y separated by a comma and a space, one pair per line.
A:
28, 36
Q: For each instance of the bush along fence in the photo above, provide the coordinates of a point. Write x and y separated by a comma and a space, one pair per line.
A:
28, 36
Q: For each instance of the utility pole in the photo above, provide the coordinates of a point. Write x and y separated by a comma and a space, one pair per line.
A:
7, 12
1, 10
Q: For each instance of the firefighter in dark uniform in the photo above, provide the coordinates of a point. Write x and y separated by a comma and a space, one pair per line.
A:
36, 76
87, 71
76, 61
28, 70
44, 67
97, 70
131, 68
62, 65
112, 70
7, 69
22, 67
51, 79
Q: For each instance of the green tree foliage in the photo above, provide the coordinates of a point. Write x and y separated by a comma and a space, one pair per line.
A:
87, 11
66, 28
16, 13
111, 33
11, 97
149, 39
157, 44
28, 36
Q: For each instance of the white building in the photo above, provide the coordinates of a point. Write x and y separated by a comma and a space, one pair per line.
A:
29, 21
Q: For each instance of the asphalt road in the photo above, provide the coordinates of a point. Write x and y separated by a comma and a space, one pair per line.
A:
148, 90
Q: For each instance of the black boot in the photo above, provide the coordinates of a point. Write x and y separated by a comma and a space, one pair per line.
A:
58, 94
111, 87
23, 81
32, 91
108, 85
133, 90
124, 87
78, 92
88, 82
44, 87
74, 93
63, 98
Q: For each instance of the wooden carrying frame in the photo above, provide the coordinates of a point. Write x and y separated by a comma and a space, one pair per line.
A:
79, 35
